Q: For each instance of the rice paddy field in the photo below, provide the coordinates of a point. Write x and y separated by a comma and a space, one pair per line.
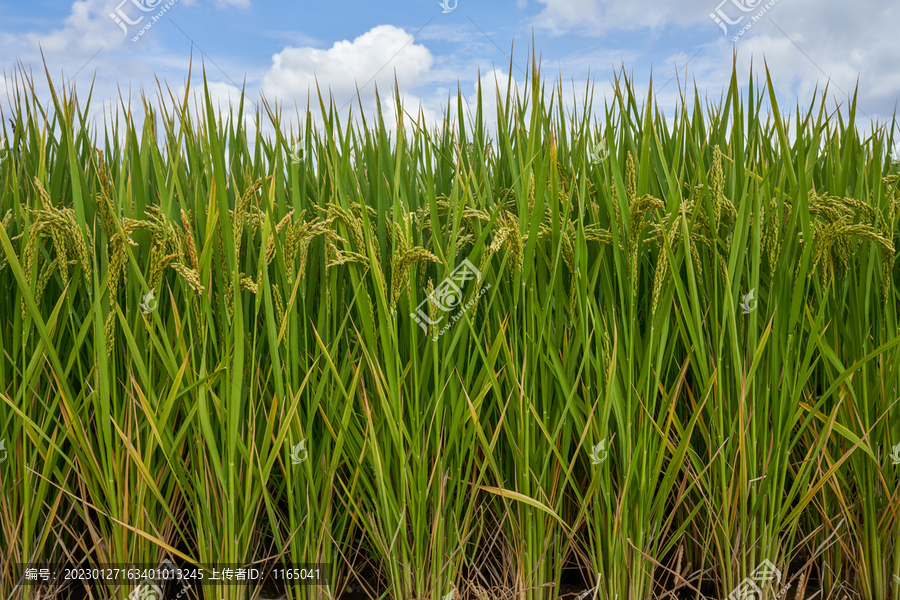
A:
618, 354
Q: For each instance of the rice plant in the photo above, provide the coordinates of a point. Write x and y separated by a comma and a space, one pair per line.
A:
450, 362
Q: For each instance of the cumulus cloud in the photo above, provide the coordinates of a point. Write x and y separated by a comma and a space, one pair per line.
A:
832, 43
847, 43
87, 27
805, 44
371, 59
850, 44
384, 49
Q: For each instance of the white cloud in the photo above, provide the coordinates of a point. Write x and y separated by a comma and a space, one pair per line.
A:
596, 17
94, 24
849, 43
804, 46
87, 28
803, 43
385, 49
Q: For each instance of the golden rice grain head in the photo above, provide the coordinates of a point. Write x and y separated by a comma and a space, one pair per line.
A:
291, 244
109, 330
45, 197
270, 246
517, 248
717, 185
46, 273
279, 305
62, 257
342, 257
304, 254
240, 210
161, 264
482, 266
116, 267
473, 214
189, 239
662, 267
568, 244
400, 271
248, 284
499, 238
614, 200
634, 261
229, 298
530, 193
630, 178
866, 210
82, 243
189, 275
432, 306
29, 257
353, 224
695, 256
104, 197
195, 308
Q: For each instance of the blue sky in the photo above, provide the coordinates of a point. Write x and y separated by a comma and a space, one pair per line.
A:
280, 49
